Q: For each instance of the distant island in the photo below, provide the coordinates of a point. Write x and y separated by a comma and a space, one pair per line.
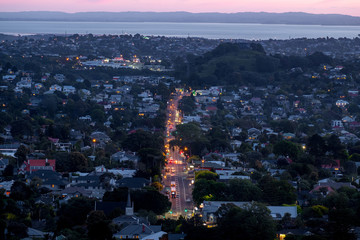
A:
297, 18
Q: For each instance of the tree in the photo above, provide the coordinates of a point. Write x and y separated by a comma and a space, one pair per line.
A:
21, 154
158, 186
142, 139
277, 192
74, 212
98, 115
151, 160
251, 222
98, 226
318, 58
19, 230
209, 190
334, 146
20, 191
208, 175
187, 105
286, 148
72, 162
188, 132
78, 162
155, 201
316, 145
8, 171
243, 190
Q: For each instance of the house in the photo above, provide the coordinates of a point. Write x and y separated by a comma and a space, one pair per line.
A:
100, 169
33, 165
337, 124
115, 99
86, 118
71, 192
9, 149
108, 86
288, 136
92, 183
276, 212
69, 89
49, 179
8, 77
254, 133
123, 156
235, 144
125, 173
100, 138
328, 186
55, 87
341, 103
226, 178
35, 234
59, 77
24, 83
6, 185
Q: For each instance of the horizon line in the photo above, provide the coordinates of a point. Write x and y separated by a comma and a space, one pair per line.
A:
49, 11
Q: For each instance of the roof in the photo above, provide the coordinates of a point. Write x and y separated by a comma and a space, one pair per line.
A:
44, 174
4, 161
133, 182
276, 211
129, 220
74, 190
50, 163
155, 236
279, 211
139, 229
176, 236
35, 233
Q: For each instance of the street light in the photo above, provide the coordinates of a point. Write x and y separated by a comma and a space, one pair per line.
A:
94, 141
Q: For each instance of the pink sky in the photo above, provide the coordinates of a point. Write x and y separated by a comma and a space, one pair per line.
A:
349, 7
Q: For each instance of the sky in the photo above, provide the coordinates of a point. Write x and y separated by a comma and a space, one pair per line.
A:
348, 7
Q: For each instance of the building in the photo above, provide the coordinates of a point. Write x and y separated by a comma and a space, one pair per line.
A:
33, 165
276, 212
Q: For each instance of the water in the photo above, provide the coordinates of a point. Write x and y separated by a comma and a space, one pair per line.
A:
205, 30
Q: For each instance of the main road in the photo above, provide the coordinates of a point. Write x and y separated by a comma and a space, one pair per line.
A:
176, 169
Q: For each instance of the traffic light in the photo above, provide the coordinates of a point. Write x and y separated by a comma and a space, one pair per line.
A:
185, 209
170, 212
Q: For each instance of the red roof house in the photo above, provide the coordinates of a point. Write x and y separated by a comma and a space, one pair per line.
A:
32, 165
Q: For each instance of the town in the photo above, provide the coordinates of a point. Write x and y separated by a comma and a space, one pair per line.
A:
150, 137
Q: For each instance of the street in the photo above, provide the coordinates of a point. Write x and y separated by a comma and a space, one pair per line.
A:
176, 169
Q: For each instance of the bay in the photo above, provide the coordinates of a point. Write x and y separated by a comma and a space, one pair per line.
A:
204, 30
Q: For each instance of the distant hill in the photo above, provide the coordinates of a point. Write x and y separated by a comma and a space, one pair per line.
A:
228, 64
241, 17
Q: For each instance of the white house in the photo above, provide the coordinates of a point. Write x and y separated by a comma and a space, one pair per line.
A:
341, 103
55, 87
68, 89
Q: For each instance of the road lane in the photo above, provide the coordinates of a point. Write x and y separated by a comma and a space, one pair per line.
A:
182, 204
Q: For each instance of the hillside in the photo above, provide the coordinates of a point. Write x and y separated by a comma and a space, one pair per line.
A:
228, 64
240, 17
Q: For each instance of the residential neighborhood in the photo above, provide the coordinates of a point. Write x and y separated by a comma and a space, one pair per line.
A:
137, 137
